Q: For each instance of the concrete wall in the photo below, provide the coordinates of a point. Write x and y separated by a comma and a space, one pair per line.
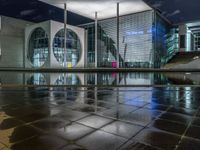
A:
183, 31
195, 64
56, 27
14, 39
189, 43
51, 28
12, 42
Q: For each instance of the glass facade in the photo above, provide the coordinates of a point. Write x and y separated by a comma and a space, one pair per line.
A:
73, 46
38, 47
90, 45
197, 41
135, 39
146, 40
165, 40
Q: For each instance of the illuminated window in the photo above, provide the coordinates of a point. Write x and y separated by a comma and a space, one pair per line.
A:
182, 41
38, 47
73, 48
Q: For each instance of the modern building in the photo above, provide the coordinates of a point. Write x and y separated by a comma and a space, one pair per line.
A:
145, 40
44, 46
128, 34
189, 36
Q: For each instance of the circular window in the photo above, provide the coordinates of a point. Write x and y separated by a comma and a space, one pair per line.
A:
73, 48
38, 47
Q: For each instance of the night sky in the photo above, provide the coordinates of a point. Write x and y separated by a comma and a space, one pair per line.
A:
177, 11
35, 11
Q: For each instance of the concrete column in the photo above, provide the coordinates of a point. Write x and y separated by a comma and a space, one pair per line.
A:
95, 93
183, 37
95, 99
117, 53
65, 34
65, 48
86, 49
117, 98
0, 37
96, 40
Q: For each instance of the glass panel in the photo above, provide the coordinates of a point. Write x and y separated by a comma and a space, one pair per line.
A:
38, 47
135, 41
73, 46
182, 41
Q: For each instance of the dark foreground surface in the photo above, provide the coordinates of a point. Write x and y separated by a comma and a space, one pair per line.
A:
99, 111
79, 118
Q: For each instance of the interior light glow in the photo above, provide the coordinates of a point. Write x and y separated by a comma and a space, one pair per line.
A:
104, 8
134, 33
188, 73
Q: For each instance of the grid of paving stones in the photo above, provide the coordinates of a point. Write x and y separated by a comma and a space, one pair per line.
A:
124, 118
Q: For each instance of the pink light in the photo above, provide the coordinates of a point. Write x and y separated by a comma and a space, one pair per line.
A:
114, 64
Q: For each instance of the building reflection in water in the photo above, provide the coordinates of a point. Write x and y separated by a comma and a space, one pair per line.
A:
70, 93
68, 79
37, 79
124, 79
188, 97
95, 99
100, 78
137, 79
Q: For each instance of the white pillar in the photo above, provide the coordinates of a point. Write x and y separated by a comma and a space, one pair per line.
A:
117, 36
65, 34
95, 99
0, 35
96, 40
183, 37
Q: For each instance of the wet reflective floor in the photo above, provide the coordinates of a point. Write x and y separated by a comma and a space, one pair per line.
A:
100, 118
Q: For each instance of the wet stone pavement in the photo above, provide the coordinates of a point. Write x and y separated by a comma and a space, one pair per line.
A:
81, 118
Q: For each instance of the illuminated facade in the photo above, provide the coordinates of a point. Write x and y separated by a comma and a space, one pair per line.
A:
146, 40
125, 33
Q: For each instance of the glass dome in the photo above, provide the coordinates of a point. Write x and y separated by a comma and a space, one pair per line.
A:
73, 48
38, 47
